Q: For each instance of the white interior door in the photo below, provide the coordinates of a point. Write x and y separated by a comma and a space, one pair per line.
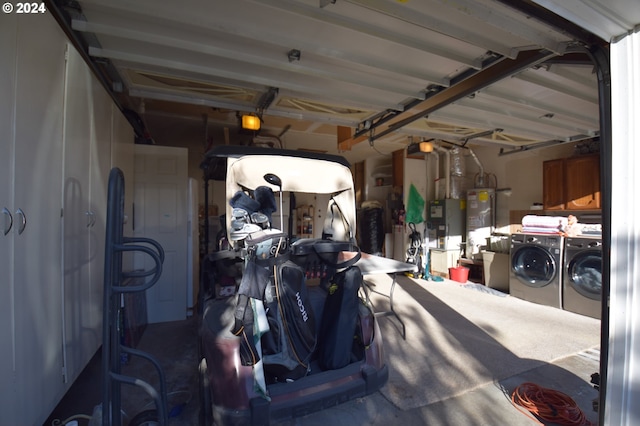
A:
160, 204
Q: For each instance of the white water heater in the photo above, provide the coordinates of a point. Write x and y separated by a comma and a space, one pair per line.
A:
480, 220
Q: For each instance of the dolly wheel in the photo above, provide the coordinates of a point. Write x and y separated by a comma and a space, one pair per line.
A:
145, 418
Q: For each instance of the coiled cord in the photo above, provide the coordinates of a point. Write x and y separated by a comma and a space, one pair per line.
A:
548, 404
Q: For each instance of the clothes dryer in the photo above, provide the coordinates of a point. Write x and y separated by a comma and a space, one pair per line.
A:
536, 262
582, 281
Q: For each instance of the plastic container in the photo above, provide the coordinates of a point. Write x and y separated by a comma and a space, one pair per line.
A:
498, 243
496, 270
459, 274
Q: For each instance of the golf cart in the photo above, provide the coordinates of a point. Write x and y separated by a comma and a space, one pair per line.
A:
262, 362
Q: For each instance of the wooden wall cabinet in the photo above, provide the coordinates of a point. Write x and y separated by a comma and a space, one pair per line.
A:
582, 178
398, 167
572, 183
553, 185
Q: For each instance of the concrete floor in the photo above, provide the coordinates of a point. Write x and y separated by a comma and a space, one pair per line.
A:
175, 346
488, 405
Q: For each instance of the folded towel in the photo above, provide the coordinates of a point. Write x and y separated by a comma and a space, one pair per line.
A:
550, 222
591, 229
539, 230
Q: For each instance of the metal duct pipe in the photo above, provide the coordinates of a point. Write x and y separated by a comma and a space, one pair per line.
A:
437, 172
447, 177
481, 183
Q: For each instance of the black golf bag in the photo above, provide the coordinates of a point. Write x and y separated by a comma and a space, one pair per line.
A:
278, 286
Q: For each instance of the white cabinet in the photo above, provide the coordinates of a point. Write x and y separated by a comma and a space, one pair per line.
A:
122, 156
8, 34
442, 260
32, 99
57, 127
87, 152
38, 178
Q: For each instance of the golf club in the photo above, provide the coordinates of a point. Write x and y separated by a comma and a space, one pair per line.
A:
275, 180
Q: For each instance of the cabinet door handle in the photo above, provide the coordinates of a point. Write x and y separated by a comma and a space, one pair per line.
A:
23, 221
7, 223
91, 218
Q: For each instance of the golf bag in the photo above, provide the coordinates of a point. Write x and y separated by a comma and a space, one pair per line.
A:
339, 319
288, 345
278, 284
342, 281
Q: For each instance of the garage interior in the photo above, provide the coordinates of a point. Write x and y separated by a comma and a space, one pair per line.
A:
396, 87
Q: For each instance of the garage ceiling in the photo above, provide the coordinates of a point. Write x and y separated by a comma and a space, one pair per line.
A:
477, 71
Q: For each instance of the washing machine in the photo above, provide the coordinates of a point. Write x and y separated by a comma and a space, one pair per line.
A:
582, 281
535, 268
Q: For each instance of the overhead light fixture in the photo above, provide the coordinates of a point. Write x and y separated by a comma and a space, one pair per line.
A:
251, 122
426, 146
419, 147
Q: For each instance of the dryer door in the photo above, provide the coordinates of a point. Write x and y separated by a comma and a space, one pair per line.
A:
585, 274
533, 266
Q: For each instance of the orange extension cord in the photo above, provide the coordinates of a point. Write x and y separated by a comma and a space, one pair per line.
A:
548, 404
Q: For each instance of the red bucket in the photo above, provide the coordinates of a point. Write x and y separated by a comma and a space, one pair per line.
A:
459, 274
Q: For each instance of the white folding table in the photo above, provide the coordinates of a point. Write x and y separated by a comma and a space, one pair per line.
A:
370, 264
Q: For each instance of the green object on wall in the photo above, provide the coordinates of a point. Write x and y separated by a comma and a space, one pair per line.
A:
415, 206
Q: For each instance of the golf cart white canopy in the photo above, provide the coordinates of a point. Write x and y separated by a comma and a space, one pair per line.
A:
299, 173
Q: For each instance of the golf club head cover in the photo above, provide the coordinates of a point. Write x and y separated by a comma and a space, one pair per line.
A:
264, 195
243, 201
